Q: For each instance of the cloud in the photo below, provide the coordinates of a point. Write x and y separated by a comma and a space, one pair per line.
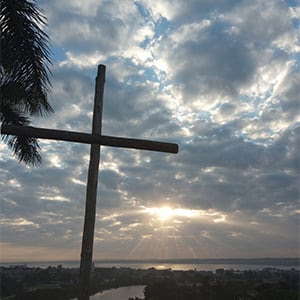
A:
182, 12
207, 64
221, 79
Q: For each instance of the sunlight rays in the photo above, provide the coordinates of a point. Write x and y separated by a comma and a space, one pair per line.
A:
165, 230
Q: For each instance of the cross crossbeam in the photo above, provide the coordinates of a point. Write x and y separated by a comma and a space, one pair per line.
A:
86, 138
95, 139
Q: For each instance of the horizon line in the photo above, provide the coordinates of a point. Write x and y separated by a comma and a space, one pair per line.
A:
152, 259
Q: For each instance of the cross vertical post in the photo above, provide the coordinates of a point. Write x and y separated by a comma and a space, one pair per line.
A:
91, 192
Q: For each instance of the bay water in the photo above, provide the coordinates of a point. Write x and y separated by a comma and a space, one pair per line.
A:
120, 293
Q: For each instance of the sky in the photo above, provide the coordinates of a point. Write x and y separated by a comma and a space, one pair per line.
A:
220, 78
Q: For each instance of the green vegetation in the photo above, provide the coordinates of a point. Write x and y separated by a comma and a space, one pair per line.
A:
24, 283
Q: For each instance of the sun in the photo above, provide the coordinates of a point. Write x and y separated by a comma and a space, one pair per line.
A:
161, 213
164, 213
167, 213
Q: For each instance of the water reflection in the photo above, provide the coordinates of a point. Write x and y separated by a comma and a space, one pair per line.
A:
120, 293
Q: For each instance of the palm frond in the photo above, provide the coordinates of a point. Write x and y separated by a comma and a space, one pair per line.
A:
24, 72
25, 52
26, 149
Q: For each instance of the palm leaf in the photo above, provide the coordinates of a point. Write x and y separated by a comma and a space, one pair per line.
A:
23, 72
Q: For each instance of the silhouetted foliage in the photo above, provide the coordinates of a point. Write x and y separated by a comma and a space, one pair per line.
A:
24, 73
62, 283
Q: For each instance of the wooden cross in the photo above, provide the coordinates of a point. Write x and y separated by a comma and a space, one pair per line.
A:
95, 139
